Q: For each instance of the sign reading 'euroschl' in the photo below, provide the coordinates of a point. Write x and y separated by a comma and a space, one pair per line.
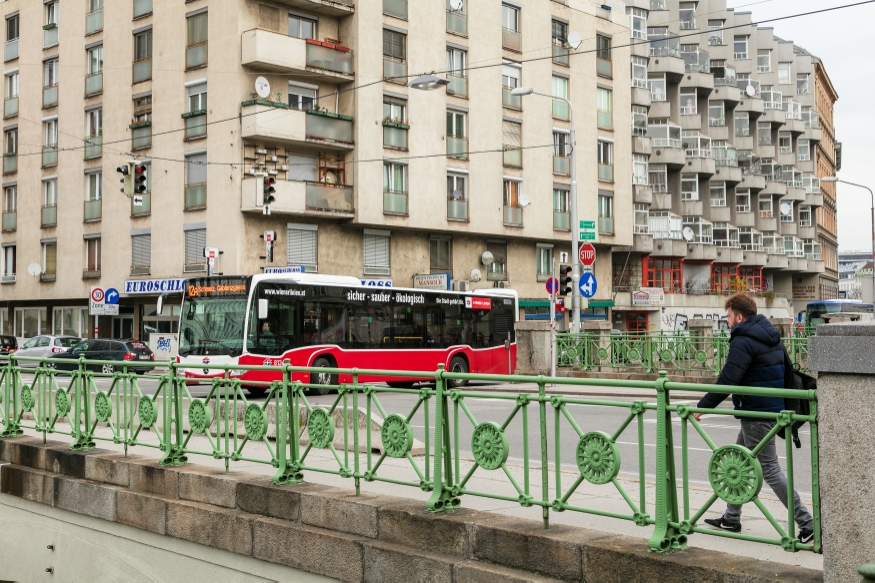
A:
153, 286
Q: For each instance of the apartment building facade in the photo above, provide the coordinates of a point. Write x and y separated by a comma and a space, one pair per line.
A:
374, 179
727, 143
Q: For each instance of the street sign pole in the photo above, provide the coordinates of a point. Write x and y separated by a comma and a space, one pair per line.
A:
553, 355
575, 234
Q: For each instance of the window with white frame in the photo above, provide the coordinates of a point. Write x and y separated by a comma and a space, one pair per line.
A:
639, 120
803, 150
657, 85
750, 239
740, 47
498, 269
95, 60
196, 39
11, 141
640, 223
94, 122
606, 161
11, 80
9, 263
510, 75
742, 124
606, 207
639, 72
560, 89
10, 199
687, 15
197, 98
715, 32
510, 17
301, 27
394, 110
764, 133
689, 187
50, 192
742, 201
457, 188
605, 108
50, 133
658, 178
784, 73
561, 200
561, 144
716, 113
766, 206
301, 249
718, 194
376, 252
94, 186
394, 177
456, 60
802, 87
785, 143
544, 261
512, 190
805, 216
764, 60
688, 102
637, 23
786, 209
639, 169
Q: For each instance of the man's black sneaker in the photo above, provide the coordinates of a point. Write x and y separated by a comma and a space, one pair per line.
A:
806, 536
723, 525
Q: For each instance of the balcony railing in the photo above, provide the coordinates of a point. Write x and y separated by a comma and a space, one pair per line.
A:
50, 156
727, 77
329, 127
560, 55
716, 121
606, 225
513, 216
10, 163
785, 149
725, 157
689, 24
195, 124
669, 227
397, 8
141, 135
665, 142
143, 7
638, 229
697, 62
664, 46
457, 23
93, 147
93, 84
395, 135
93, 210
561, 221
195, 196
639, 82
511, 40
560, 110
605, 120
94, 21
394, 71
458, 85
334, 199
145, 206
561, 165
50, 36
395, 203
457, 147
657, 5
640, 179
10, 221
329, 57
810, 184
742, 208
689, 110
606, 173
513, 156
11, 50
792, 110
50, 96
457, 210
657, 95
508, 99
196, 55
603, 67
142, 70
49, 215
811, 119
10, 107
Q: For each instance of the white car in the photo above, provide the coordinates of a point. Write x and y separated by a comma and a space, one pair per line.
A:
45, 347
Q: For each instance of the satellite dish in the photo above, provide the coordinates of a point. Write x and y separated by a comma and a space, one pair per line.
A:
475, 275
574, 40
457, 194
524, 201
331, 177
262, 87
487, 258
750, 90
688, 234
35, 269
456, 5
786, 209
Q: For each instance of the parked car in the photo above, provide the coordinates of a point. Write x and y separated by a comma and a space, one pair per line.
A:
45, 347
132, 351
8, 345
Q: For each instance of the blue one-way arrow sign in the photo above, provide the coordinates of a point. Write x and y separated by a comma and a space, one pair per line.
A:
112, 296
588, 285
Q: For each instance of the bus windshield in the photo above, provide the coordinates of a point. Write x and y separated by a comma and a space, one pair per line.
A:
212, 326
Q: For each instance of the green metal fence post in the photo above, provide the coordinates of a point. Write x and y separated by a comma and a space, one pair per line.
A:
9, 416
286, 431
174, 451
665, 537
441, 499
81, 401
545, 466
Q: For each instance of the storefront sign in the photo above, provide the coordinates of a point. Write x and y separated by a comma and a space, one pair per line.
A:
440, 281
804, 292
478, 303
287, 269
648, 296
377, 282
153, 286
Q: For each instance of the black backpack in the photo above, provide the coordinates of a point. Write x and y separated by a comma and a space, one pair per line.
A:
794, 379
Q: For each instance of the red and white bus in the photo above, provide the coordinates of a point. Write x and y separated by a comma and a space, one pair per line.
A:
335, 321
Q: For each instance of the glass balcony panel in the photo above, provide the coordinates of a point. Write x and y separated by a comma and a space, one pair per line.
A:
195, 127
93, 147
457, 23
141, 138
511, 40
395, 137
397, 8
457, 209
336, 199
457, 147
50, 37
511, 100
726, 157
10, 107
49, 215
458, 85
513, 156
698, 62
93, 210
142, 70
605, 120
603, 67
560, 55
11, 51
93, 21
10, 221
329, 59
50, 96
50, 157
662, 46
657, 5
145, 207
195, 196
196, 56
561, 165
606, 225
93, 83
395, 71
561, 221
560, 110
606, 173
142, 7
10, 163
395, 203
322, 127
513, 215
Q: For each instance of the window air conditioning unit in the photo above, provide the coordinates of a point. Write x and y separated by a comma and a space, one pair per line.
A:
461, 285
503, 285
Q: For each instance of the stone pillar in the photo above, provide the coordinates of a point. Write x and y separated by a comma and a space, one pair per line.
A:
602, 332
842, 356
701, 336
784, 326
533, 349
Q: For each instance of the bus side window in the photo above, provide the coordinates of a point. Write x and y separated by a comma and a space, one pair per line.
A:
482, 329
453, 326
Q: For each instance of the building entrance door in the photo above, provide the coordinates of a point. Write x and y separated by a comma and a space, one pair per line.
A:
123, 327
636, 323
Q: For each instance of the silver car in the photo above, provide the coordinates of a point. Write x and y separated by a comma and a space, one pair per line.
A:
45, 347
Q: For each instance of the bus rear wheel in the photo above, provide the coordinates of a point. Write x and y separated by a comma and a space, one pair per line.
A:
401, 384
256, 391
322, 378
459, 366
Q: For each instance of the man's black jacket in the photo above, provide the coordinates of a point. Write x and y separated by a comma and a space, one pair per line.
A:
755, 359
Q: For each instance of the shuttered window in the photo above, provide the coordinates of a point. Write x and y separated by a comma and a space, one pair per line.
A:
141, 250
393, 45
195, 241
92, 255
195, 169
376, 248
301, 248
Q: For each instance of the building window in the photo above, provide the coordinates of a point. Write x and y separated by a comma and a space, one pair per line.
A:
750, 239
639, 120
560, 90
688, 102
195, 242
805, 216
395, 126
689, 187
94, 79
740, 47
513, 212
457, 197
687, 15
92, 257
722, 277
10, 107
50, 261
457, 135
10, 151
395, 188
512, 142
716, 113
764, 61
396, 8
784, 73
50, 143
50, 28
49, 211
664, 273
141, 129
510, 80
498, 269
765, 206
301, 97
639, 72
785, 143
742, 124
657, 83
9, 268
94, 131
301, 246
440, 255
10, 206
802, 87
658, 178
12, 30
603, 55
606, 161
637, 23
742, 201
606, 213
50, 83
752, 276
196, 116
196, 37
640, 223
718, 194
394, 56
715, 32
196, 181
142, 65
764, 133
605, 106
561, 217
544, 261
456, 59
803, 150
560, 42
142, 8
300, 27
141, 254
639, 169
376, 252
510, 18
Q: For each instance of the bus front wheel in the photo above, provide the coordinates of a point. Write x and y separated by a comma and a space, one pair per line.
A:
256, 391
459, 366
322, 378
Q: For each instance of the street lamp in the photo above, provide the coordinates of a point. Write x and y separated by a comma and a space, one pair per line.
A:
872, 196
575, 234
427, 83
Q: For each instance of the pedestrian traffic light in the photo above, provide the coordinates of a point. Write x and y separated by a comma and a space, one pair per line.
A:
565, 280
127, 180
269, 190
141, 177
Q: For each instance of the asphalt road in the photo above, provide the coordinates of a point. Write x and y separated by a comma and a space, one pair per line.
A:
721, 429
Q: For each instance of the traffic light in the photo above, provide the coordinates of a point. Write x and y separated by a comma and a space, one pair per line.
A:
141, 177
565, 280
269, 190
127, 172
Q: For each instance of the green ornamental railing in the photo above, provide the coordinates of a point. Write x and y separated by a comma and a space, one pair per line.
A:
117, 409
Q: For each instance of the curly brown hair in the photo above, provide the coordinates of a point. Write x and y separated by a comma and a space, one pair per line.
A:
741, 304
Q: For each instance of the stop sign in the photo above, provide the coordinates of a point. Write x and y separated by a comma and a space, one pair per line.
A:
587, 254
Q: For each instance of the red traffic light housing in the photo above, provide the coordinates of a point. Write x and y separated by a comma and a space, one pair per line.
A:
565, 279
140, 178
269, 190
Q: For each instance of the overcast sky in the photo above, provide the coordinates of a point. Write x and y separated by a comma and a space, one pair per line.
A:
843, 40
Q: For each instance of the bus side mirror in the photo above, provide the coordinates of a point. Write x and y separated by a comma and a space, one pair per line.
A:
262, 309
160, 307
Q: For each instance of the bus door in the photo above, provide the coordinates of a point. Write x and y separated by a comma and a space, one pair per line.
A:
433, 336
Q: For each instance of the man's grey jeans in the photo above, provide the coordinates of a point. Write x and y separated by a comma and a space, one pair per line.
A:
751, 434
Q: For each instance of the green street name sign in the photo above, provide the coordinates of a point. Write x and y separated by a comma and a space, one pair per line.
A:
587, 236
587, 225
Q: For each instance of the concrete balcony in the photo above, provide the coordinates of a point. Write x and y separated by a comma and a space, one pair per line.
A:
813, 134
641, 145
701, 252
642, 194
673, 67
726, 93
806, 232
743, 142
270, 51
788, 228
752, 106
692, 208
702, 82
765, 150
691, 122
642, 244
767, 224
774, 116
775, 187
669, 248
300, 198
731, 174
753, 181
719, 133
703, 166
669, 154
328, 7
797, 264
659, 110
776, 261
721, 214
816, 266
729, 255
794, 195
813, 200
641, 96
753, 258
805, 166
794, 126
266, 122
661, 201
787, 159
745, 220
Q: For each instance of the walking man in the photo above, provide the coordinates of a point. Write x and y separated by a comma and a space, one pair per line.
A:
755, 359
